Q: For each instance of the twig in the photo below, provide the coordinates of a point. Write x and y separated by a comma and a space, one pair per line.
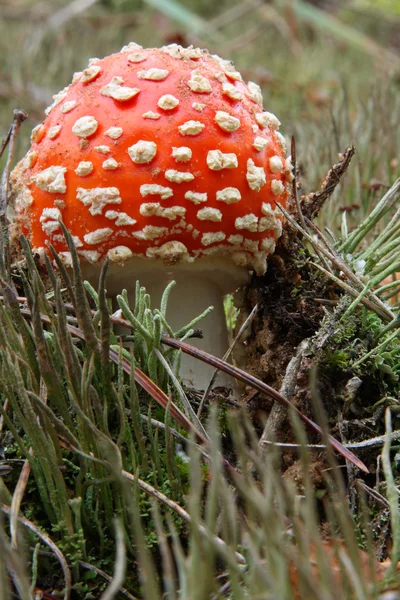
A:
351, 477
19, 118
286, 445
312, 203
160, 497
177, 508
10, 140
22, 483
325, 241
18, 495
379, 440
373, 493
163, 427
5, 409
119, 564
227, 354
375, 303
49, 542
278, 412
261, 387
354, 293
98, 571
392, 493
104, 575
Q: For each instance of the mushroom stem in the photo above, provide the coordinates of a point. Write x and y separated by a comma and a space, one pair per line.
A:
198, 286
192, 295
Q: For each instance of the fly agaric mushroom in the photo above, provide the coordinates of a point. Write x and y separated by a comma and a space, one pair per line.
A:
164, 160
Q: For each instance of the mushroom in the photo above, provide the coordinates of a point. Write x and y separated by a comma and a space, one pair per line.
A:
165, 161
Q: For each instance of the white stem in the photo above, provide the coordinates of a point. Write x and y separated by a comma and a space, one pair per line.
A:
196, 289
190, 297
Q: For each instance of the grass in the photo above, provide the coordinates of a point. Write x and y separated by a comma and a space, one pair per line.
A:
111, 486
102, 483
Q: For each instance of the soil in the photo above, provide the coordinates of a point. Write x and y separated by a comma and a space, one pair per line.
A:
296, 344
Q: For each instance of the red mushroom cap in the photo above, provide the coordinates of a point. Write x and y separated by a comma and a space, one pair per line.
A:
164, 153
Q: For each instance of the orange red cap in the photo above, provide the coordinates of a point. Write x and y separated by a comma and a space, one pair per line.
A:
161, 152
